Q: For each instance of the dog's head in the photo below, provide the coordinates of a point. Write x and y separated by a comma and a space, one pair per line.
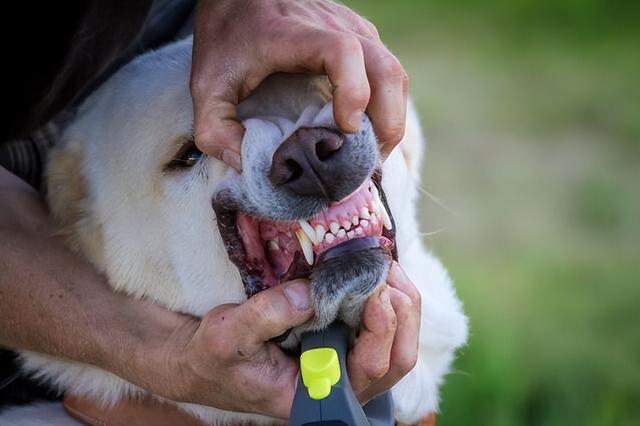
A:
309, 201
164, 221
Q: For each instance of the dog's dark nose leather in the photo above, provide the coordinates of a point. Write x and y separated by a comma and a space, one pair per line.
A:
308, 161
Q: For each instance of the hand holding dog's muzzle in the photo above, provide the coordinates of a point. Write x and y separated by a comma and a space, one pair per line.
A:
386, 348
227, 361
289, 36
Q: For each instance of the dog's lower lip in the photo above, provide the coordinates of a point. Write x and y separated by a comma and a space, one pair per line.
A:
348, 247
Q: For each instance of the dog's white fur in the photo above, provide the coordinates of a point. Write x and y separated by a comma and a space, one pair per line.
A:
107, 191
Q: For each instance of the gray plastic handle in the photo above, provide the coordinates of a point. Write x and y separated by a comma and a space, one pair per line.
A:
341, 406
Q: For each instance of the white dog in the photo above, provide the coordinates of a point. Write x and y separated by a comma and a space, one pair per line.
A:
134, 196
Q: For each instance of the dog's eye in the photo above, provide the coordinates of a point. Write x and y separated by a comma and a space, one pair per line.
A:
187, 156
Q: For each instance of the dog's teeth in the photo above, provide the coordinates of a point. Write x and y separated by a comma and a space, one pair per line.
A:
334, 227
351, 234
374, 219
380, 209
273, 245
377, 202
364, 223
359, 231
308, 229
341, 233
329, 237
355, 220
346, 225
320, 231
374, 191
305, 245
364, 213
386, 220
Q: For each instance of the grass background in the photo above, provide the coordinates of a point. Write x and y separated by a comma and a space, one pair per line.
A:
532, 113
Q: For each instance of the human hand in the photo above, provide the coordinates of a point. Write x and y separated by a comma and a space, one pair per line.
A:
237, 44
226, 360
386, 348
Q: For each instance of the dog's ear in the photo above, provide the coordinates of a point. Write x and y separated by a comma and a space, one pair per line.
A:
67, 195
66, 188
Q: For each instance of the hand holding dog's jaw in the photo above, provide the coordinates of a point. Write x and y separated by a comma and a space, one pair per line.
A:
226, 360
386, 348
337, 42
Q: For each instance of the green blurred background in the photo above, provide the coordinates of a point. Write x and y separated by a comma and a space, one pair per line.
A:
532, 113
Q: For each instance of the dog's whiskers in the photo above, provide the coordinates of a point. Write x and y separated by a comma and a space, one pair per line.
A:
437, 200
432, 233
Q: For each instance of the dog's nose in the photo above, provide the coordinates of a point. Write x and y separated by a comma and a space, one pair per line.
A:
309, 162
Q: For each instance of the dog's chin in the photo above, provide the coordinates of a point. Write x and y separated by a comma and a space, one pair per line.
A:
343, 269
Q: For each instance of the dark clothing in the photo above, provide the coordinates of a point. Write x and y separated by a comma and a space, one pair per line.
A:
52, 59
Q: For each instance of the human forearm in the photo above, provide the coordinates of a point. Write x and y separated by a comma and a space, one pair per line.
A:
53, 302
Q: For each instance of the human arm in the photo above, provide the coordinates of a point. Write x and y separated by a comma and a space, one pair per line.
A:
53, 302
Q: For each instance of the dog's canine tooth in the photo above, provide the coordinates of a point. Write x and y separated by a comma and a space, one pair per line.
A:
308, 229
377, 202
341, 233
320, 231
306, 245
386, 220
329, 237
334, 227
364, 213
346, 225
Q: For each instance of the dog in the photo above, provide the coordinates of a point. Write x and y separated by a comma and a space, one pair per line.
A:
132, 194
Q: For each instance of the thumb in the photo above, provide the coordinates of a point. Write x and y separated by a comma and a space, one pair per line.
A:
272, 312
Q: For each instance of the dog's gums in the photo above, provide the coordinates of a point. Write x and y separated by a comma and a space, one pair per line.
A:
357, 229
272, 246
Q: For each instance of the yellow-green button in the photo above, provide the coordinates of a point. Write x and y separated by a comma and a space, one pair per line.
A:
320, 370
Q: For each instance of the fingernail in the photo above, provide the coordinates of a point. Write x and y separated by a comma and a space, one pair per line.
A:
355, 120
232, 158
297, 293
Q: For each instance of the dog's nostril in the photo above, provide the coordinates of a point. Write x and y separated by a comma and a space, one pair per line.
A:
307, 162
294, 170
327, 147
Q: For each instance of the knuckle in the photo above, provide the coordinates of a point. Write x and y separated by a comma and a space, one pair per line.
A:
262, 312
377, 370
406, 362
371, 28
389, 68
360, 94
391, 132
347, 45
